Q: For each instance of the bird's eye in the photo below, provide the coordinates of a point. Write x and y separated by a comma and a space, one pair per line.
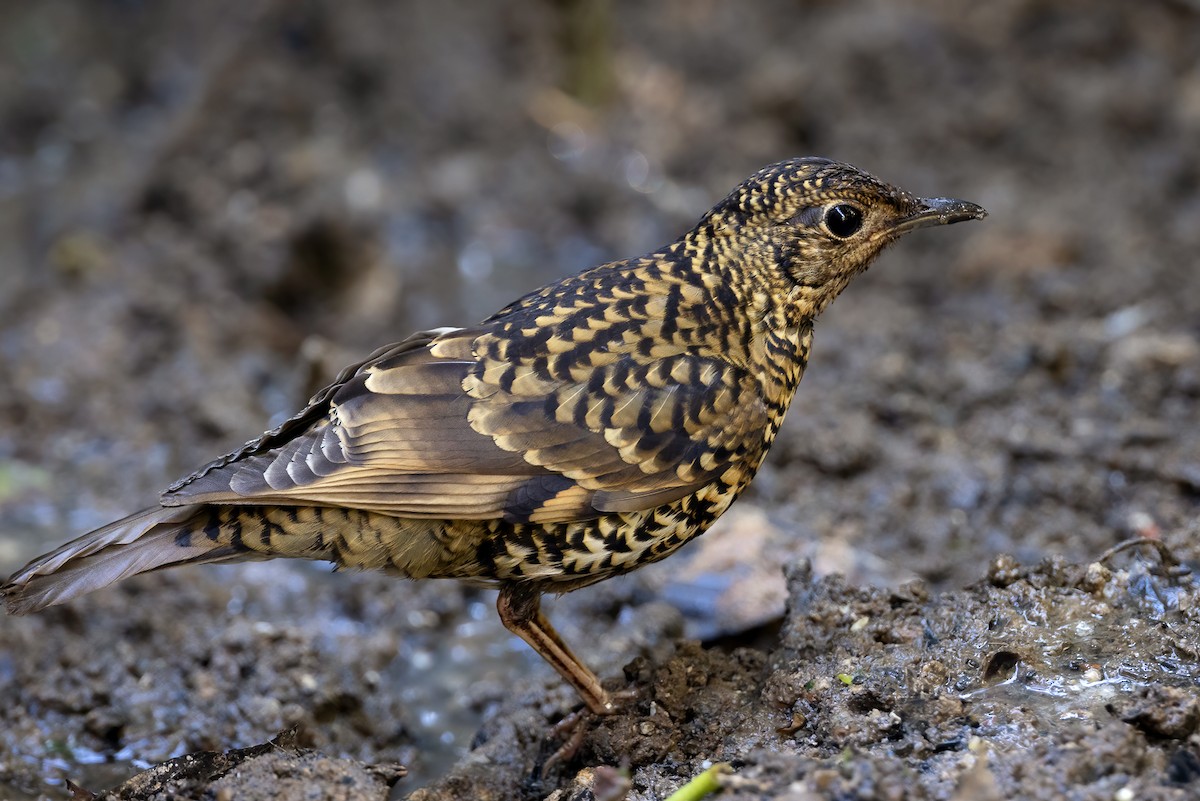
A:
843, 220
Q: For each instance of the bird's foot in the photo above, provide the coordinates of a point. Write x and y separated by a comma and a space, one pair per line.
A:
573, 728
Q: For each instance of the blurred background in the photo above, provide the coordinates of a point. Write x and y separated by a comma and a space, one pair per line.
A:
206, 209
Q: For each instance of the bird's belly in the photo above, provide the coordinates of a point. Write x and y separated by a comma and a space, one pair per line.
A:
579, 553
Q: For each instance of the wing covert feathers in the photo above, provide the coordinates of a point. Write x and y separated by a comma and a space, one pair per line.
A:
474, 424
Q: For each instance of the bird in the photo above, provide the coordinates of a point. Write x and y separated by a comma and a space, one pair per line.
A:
593, 426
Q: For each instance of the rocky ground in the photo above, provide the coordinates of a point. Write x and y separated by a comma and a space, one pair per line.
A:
207, 209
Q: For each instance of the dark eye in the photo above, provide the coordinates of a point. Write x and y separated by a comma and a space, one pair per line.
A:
843, 220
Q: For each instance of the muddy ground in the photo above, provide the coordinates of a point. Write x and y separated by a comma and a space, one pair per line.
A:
206, 209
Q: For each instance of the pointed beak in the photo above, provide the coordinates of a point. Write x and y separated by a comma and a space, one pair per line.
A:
939, 211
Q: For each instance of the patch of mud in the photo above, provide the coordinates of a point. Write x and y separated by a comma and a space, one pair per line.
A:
277, 769
1051, 682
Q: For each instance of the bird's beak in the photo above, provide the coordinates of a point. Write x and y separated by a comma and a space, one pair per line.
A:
940, 211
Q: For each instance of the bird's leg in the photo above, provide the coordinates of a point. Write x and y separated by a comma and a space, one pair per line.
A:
520, 611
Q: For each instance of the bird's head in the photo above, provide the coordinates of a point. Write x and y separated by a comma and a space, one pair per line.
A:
821, 223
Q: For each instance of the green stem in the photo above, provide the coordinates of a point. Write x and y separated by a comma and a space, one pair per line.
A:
702, 785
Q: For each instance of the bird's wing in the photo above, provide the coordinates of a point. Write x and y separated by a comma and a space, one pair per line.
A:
457, 424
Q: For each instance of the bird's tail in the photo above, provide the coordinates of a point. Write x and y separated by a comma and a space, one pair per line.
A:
202, 533
148, 540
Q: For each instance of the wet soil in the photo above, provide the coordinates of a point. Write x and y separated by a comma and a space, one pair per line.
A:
207, 209
1050, 682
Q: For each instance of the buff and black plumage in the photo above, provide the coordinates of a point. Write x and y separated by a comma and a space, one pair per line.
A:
591, 427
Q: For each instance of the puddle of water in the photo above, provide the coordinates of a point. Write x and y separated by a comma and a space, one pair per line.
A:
1072, 659
440, 683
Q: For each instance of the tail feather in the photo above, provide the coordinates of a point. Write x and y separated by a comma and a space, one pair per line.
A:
202, 533
144, 541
